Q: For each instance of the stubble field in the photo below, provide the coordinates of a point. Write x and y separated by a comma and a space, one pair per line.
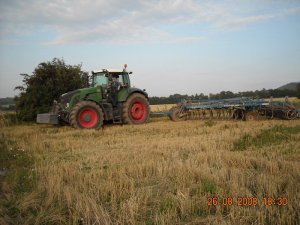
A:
161, 172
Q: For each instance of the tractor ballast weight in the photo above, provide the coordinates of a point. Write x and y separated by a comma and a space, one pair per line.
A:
109, 98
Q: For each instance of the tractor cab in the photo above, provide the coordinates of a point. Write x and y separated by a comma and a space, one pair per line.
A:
113, 82
103, 77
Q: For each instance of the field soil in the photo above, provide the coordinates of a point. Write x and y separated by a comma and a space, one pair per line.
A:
162, 172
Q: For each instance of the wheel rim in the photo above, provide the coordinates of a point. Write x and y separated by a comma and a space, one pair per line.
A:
290, 115
138, 111
88, 117
250, 117
178, 115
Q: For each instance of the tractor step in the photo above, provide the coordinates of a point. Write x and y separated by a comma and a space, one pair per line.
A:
117, 120
117, 116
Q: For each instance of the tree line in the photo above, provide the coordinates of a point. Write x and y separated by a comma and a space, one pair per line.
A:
264, 93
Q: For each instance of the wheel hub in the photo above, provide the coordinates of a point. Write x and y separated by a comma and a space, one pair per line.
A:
87, 117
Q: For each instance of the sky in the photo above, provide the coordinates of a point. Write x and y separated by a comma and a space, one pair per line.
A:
179, 46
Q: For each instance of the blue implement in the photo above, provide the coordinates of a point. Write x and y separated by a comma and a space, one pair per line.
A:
234, 108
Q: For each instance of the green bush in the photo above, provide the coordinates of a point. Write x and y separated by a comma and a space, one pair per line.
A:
48, 81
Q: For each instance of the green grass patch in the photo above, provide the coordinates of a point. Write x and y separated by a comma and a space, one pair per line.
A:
208, 186
13, 157
19, 177
275, 135
167, 204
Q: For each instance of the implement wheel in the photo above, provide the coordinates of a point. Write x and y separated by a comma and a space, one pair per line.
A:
291, 114
136, 109
250, 116
86, 114
176, 115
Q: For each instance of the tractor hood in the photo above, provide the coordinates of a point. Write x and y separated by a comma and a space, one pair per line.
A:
67, 100
66, 97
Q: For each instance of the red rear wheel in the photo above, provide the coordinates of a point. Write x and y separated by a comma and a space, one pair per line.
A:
136, 109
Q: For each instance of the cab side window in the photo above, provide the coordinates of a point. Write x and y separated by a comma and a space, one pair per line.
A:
120, 79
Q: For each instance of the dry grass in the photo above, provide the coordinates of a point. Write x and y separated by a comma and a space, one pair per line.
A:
8, 119
161, 108
158, 173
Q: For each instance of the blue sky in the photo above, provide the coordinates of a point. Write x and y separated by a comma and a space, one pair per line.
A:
179, 46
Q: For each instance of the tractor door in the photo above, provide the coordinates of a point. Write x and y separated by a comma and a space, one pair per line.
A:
101, 79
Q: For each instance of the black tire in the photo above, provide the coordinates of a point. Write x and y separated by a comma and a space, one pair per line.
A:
174, 114
86, 115
136, 109
239, 114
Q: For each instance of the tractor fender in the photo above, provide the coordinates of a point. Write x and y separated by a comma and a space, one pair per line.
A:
131, 91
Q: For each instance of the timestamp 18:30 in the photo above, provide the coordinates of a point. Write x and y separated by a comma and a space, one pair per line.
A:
246, 201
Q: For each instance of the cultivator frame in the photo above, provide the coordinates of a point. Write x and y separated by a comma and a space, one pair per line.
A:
234, 108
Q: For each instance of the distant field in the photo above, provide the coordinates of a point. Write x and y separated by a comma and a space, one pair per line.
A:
161, 108
295, 101
161, 172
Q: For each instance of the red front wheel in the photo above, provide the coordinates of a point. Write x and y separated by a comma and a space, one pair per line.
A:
86, 114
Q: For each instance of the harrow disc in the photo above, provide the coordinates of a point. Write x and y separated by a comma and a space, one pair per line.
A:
290, 115
176, 114
250, 116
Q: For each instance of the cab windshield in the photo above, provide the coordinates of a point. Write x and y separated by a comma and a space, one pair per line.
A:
99, 79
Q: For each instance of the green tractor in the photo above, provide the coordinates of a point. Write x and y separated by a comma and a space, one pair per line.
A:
109, 98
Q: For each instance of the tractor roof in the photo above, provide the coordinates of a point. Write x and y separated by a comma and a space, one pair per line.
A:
109, 70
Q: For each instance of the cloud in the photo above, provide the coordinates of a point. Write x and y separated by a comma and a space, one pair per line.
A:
234, 23
189, 39
112, 32
293, 11
129, 21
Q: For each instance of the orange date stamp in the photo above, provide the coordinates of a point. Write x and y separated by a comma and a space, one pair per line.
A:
246, 201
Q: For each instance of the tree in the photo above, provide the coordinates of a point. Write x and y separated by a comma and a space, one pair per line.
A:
48, 81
